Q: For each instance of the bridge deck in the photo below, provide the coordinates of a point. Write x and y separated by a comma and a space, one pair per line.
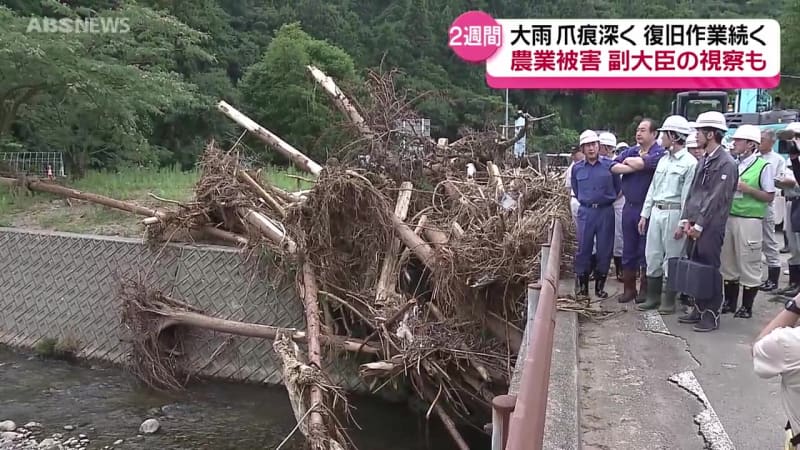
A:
651, 382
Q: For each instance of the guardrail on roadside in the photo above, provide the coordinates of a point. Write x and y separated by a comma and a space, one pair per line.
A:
518, 417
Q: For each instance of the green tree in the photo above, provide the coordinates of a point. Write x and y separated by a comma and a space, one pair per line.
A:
282, 96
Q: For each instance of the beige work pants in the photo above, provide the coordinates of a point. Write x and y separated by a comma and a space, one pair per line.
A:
741, 251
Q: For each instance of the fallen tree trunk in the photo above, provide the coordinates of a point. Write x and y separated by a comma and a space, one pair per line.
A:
341, 101
302, 161
388, 276
153, 215
173, 317
420, 248
316, 423
62, 191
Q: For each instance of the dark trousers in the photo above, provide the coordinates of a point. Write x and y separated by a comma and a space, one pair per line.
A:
633, 243
595, 223
707, 250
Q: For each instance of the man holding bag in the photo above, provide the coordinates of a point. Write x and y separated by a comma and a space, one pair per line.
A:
705, 214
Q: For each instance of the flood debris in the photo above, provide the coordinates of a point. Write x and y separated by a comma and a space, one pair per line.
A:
415, 253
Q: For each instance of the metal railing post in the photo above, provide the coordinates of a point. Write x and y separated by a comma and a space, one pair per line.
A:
502, 407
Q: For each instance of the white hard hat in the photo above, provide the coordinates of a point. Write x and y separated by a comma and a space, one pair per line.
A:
588, 136
691, 141
794, 127
678, 124
607, 138
622, 145
710, 119
748, 132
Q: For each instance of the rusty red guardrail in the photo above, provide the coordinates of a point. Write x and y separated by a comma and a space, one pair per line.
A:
525, 429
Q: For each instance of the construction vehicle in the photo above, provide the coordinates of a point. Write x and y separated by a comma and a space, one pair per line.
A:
749, 106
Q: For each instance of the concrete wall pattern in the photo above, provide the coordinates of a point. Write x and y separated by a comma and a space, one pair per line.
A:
62, 284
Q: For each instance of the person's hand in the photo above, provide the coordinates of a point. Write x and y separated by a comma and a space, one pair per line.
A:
693, 233
742, 186
679, 233
642, 226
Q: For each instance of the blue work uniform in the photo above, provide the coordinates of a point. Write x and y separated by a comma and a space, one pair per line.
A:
596, 189
634, 187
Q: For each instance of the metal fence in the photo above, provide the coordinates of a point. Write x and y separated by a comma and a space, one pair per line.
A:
518, 418
40, 164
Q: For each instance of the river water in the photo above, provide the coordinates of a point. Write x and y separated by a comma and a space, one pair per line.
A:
106, 404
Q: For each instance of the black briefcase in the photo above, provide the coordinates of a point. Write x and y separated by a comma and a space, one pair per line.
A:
693, 278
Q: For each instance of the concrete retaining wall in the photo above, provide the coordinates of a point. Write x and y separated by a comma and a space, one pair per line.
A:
58, 285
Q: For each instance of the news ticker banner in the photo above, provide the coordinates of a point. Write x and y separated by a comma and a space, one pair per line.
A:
620, 53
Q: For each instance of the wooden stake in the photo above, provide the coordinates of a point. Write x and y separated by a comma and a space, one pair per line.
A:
302, 161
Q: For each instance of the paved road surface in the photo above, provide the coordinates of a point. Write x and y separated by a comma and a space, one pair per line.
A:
656, 384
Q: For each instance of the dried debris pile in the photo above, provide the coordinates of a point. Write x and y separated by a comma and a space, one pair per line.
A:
415, 254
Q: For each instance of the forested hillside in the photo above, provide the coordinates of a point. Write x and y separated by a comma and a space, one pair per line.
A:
148, 96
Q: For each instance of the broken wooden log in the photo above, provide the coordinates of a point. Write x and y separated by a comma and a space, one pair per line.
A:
172, 317
265, 225
389, 270
153, 215
420, 248
341, 100
41, 186
302, 161
261, 192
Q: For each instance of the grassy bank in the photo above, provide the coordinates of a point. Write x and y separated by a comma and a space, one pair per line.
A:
48, 212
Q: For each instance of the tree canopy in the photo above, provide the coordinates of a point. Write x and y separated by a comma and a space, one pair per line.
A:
148, 96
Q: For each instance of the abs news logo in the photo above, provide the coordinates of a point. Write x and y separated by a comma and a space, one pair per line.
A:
84, 25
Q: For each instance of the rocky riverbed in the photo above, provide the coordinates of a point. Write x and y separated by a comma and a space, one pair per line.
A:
56, 405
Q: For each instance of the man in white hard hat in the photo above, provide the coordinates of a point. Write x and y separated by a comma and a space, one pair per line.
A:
637, 166
691, 145
770, 246
741, 248
596, 189
706, 211
792, 132
662, 212
608, 145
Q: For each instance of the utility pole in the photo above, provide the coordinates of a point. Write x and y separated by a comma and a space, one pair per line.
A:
505, 129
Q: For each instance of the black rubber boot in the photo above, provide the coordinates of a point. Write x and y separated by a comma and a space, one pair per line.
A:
600, 285
653, 295
583, 286
709, 321
731, 296
618, 267
748, 297
794, 282
773, 275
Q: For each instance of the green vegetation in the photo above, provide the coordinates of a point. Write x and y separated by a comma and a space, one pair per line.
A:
132, 111
147, 97
51, 348
44, 211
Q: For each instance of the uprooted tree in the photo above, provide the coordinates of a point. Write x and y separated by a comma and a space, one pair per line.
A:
397, 252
